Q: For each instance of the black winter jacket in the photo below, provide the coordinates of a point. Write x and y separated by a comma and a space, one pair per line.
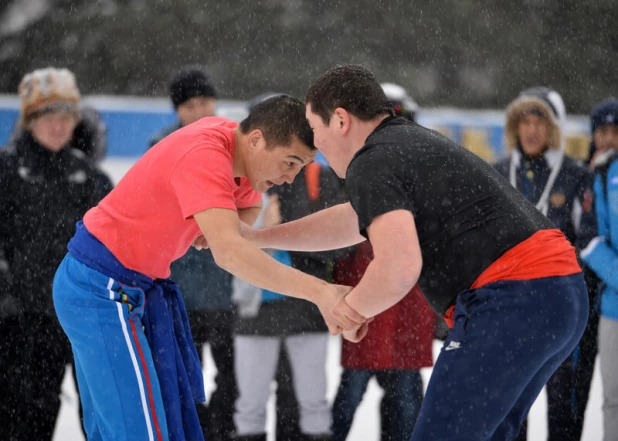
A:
42, 195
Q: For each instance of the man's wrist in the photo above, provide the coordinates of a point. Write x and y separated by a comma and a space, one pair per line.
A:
315, 291
352, 300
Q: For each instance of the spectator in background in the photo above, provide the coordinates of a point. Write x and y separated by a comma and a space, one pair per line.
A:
193, 96
89, 135
267, 321
47, 186
561, 190
602, 255
604, 126
397, 345
206, 288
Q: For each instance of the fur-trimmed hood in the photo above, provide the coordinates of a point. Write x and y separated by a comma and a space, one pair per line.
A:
547, 102
543, 100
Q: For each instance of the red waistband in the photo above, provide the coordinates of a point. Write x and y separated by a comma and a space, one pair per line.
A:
546, 253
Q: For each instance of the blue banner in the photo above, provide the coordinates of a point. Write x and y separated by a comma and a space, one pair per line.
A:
131, 121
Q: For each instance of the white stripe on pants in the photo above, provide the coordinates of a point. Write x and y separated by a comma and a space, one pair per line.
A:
256, 362
608, 353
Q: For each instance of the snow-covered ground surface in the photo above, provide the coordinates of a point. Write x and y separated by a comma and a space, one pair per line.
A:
366, 422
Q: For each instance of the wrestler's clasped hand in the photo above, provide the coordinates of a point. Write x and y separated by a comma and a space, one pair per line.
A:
336, 312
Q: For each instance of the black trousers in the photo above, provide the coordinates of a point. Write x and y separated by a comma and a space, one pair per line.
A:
214, 327
34, 353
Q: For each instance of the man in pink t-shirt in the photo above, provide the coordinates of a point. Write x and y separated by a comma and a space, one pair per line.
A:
196, 186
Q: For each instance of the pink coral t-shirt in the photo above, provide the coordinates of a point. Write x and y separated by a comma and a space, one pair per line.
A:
147, 220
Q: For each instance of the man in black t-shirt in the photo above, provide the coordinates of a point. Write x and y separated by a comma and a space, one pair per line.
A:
487, 260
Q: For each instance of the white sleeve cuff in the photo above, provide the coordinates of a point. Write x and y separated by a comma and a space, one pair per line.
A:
591, 246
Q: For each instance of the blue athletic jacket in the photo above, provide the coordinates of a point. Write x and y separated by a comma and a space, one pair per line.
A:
602, 253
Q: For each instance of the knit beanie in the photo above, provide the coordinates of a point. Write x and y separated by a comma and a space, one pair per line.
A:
188, 84
605, 112
46, 90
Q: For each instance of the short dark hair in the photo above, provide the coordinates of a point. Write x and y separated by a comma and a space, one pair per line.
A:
279, 118
351, 87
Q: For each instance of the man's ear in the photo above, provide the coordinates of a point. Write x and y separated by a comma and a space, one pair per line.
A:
254, 139
342, 119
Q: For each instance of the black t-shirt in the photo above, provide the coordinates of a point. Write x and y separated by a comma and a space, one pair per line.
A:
466, 214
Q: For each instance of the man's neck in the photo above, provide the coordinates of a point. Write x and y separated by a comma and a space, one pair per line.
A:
240, 150
366, 128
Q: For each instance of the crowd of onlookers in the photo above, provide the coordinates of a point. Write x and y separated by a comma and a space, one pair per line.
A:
49, 178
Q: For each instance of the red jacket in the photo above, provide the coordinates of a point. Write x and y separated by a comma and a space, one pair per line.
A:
399, 338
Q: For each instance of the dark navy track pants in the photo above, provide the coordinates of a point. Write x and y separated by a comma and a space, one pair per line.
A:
509, 338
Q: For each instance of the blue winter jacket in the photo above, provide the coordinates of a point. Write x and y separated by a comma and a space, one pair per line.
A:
602, 253
284, 258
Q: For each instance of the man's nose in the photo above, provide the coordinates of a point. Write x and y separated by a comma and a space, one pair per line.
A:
289, 178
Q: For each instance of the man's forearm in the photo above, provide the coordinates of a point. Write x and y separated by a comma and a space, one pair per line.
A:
235, 254
329, 229
249, 215
258, 268
379, 289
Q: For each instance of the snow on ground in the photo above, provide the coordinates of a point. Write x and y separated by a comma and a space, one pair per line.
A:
366, 423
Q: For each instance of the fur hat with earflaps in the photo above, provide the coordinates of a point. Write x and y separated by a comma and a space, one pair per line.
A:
47, 90
541, 101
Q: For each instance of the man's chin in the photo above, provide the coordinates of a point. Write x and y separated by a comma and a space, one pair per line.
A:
262, 186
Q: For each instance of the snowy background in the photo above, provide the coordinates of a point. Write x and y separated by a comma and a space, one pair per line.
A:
465, 53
